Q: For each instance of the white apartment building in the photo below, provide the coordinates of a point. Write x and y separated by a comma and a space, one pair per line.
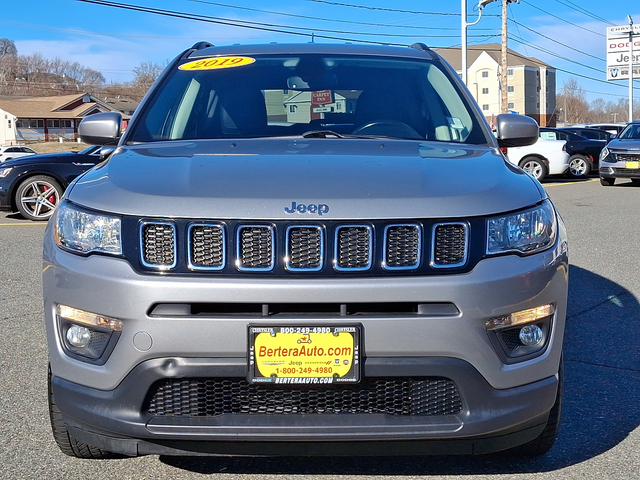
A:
531, 83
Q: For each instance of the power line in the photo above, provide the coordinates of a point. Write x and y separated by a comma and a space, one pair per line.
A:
395, 10
521, 41
286, 29
562, 19
333, 20
556, 41
578, 8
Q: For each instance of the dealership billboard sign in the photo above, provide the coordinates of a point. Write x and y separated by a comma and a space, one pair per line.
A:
618, 49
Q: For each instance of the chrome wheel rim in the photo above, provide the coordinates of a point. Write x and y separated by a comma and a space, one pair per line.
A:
578, 167
534, 169
39, 199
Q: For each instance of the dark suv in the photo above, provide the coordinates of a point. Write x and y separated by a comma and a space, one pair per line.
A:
305, 250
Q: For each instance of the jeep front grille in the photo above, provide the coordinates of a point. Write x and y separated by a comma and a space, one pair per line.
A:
209, 397
283, 247
353, 247
402, 246
304, 248
255, 247
449, 245
159, 245
206, 247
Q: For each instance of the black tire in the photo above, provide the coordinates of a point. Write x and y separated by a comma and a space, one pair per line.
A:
607, 182
543, 442
636, 181
37, 197
579, 166
534, 167
69, 445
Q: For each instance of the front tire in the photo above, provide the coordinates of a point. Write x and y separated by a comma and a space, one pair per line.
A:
534, 167
579, 166
69, 445
37, 197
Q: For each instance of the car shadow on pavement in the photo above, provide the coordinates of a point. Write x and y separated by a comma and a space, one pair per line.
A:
602, 387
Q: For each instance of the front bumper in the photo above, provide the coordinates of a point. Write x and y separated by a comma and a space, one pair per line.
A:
502, 404
491, 420
618, 170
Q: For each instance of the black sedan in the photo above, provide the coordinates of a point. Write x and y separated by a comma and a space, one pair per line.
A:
33, 185
589, 132
583, 152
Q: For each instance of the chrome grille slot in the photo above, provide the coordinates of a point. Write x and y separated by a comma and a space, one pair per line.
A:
305, 248
449, 247
402, 246
354, 244
206, 247
158, 245
255, 248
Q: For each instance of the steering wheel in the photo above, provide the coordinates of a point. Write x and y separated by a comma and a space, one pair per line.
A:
388, 128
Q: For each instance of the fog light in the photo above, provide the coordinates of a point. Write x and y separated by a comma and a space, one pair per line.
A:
87, 336
78, 336
530, 335
522, 317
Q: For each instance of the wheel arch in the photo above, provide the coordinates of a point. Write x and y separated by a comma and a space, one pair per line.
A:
32, 173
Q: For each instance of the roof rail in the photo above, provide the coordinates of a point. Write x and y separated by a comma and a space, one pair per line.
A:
421, 46
201, 45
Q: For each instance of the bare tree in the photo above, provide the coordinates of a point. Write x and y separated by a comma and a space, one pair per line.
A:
573, 101
7, 47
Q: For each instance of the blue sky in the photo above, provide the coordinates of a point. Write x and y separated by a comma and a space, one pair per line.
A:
567, 34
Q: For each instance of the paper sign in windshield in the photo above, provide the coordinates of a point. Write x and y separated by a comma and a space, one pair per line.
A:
217, 63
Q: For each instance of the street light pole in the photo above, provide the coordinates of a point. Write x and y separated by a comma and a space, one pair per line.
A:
630, 68
463, 33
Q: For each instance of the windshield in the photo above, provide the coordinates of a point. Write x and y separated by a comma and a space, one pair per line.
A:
632, 131
311, 95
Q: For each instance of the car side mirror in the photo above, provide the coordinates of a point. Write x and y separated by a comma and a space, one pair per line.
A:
101, 128
516, 130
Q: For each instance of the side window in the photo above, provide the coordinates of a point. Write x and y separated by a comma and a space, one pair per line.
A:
548, 135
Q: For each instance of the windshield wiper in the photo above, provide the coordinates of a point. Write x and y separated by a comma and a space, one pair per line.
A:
321, 134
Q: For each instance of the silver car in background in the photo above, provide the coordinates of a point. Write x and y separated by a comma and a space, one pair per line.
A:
305, 250
621, 157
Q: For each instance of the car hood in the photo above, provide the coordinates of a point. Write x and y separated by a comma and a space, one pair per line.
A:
262, 179
631, 144
39, 158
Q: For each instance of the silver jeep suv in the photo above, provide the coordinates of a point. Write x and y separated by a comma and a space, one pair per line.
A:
305, 250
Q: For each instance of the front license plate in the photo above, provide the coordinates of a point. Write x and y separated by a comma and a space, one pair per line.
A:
304, 354
633, 165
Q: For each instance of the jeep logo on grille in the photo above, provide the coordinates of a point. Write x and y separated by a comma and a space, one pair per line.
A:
320, 208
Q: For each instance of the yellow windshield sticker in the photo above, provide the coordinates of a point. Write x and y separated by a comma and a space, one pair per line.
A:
217, 63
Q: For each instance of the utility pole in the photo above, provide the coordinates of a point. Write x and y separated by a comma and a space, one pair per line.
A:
630, 68
503, 76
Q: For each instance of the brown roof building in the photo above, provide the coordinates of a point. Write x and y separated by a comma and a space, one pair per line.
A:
47, 118
531, 83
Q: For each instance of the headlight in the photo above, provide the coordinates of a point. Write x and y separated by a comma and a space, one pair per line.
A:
604, 153
85, 232
5, 171
526, 232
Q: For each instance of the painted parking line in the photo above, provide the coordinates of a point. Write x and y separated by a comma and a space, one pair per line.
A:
19, 224
569, 183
